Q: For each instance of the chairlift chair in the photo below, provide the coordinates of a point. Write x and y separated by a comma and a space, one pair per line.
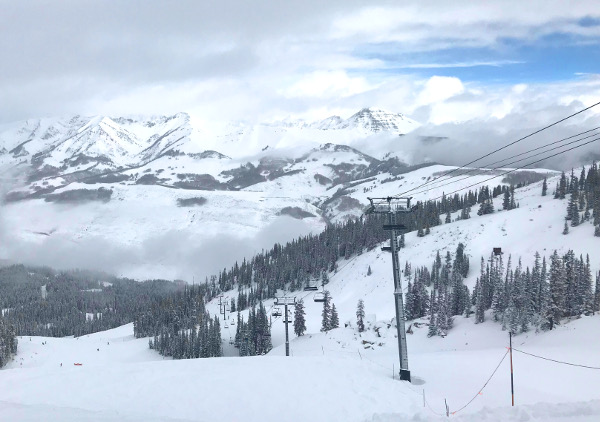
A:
319, 297
311, 288
276, 312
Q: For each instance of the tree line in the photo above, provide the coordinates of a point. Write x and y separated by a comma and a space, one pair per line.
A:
43, 302
180, 326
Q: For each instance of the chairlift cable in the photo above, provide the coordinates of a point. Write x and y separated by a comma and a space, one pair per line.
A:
502, 148
516, 169
504, 165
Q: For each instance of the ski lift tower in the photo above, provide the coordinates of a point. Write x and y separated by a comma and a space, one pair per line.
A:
285, 301
394, 208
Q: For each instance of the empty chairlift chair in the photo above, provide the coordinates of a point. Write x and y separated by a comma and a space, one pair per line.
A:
319, 297
276, 312
310, 287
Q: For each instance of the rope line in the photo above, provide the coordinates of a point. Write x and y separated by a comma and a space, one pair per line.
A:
484, 385
556, 361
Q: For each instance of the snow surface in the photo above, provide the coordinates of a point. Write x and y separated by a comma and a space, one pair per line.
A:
341, 375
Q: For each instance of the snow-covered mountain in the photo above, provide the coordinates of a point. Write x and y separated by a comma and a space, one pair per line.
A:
374, 120
128, 180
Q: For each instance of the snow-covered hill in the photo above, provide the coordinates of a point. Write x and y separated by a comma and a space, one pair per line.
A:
341, 375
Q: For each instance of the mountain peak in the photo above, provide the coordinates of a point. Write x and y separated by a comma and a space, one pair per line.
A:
378, 120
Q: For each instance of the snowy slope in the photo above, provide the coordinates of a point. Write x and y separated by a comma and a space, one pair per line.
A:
341, 375
456, 366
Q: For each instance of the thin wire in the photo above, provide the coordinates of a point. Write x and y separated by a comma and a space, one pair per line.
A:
484, 385
431, 409
505, 164
502, 148
557, 361
516, 169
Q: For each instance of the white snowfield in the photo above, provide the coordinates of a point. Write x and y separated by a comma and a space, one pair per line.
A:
341, 375
330, 377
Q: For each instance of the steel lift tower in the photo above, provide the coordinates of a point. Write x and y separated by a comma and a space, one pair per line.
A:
394, 208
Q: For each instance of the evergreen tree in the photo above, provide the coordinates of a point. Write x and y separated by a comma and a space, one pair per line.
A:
360, 315
562, 186
596, 305
506, 200
326, 313
8, 341
465, 213
324, 278
566, 228
545, 187
335, 320
479, 304
299, 318
557, 279
432, 331
369, 272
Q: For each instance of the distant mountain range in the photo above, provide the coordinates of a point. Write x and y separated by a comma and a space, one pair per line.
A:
127, 179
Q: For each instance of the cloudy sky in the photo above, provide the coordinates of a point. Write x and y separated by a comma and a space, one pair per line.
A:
437, 61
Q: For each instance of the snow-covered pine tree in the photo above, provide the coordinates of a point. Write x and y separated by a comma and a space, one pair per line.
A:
335, 319
558, 288
432, 331
597, 294
566, 228
545, 187
571, 267
499, 296
479, 304
326, 313
369, 272
409, 305
465, 213
299, 318
360, 316
506, 200
585, 288
8, 341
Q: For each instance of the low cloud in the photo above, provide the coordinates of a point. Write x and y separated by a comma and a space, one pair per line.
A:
172, 255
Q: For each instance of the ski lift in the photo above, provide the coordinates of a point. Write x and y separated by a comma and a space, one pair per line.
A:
232, 322
226, 326
276, 312
311, 288
498, 251
319, 297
